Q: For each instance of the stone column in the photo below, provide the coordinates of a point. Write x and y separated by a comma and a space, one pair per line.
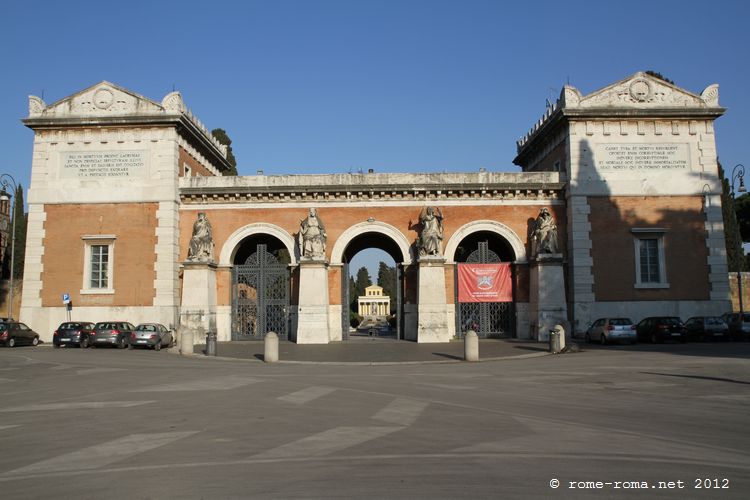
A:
198, 309
432, 316
312, 311
547, 297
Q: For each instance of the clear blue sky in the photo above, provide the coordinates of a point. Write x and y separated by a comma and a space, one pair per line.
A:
397, 86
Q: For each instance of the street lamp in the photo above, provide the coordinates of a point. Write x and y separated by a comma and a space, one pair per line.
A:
738, 172
6, 180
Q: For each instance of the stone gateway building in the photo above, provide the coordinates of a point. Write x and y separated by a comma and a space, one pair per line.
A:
616, 211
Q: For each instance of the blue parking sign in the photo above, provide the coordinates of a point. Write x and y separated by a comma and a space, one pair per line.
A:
66, 298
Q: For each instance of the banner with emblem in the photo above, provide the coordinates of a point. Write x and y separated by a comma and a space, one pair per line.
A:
485, 283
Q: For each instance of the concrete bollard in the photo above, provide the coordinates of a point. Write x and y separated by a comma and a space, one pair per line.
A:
211, 344
271, 352
471, 346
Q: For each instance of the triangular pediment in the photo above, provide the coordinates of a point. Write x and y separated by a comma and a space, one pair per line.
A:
102, 99
641, 91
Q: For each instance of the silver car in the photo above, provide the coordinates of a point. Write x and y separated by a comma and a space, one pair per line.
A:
609, 330
153, 335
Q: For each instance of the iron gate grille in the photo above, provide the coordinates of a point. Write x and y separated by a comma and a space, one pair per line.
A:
260, 297
487, 319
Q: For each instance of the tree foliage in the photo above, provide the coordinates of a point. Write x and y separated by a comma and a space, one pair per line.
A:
658, 75
742, 210
18, 222
362, 281
735, 256
221, 135
387, 280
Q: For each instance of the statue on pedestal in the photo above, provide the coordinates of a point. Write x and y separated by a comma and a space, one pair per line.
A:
312, 237
544, 237
430, 240
201, 247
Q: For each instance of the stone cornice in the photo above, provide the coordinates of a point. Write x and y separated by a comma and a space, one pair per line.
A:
356, 187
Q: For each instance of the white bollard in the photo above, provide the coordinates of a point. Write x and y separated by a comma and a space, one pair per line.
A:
271, 353
471, 346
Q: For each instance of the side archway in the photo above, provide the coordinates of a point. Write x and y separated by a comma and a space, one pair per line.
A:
342, 242
226, 257
486, 225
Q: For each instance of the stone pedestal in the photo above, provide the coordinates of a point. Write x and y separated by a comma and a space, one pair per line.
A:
547, 295
198, 308
432, 314
312, 311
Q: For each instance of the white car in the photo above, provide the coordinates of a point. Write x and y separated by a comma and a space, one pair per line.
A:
610, 330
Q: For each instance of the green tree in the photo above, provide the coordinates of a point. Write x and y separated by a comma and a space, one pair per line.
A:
362, 281
19, 219
735, 257
658, 75
352, 294
387, 280
221, 135
742, 210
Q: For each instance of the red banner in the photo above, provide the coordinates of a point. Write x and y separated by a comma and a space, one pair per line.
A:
484, 283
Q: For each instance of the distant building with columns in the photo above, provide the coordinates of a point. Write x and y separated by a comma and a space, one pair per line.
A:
373, 303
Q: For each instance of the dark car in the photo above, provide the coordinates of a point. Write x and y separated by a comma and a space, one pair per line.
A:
706, 328
112, 333
657, 329
13, 333
739, 325
152, 335
77, 333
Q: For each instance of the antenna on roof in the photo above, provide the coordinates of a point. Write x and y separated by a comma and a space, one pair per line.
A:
173, 87
42, 94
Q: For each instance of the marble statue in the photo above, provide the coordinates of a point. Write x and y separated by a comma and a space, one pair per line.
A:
430, 240
312, 237
544, 237
202, 242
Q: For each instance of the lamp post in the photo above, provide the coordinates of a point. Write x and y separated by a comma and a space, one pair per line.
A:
738, 173
6, 180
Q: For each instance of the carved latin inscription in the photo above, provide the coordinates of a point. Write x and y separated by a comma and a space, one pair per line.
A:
103, 164
653, 157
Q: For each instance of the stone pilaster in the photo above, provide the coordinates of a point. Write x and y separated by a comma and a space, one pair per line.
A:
313, 326
547, 295
198, 311
432, 313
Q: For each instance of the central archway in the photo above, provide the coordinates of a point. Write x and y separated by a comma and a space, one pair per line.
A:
372, 235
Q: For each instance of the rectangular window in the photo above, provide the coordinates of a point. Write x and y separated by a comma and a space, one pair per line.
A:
650, 267
99, 266
649, 256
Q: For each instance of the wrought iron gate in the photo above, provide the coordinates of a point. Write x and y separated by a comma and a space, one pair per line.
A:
345, 303
260, 297
487, 319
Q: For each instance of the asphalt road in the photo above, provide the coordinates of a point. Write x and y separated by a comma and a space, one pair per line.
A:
115, 424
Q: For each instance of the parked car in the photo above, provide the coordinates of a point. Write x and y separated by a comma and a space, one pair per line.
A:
739, 328
607, 330
706, 328
76, 333
153, 335
112, 333
13, 333
660, 328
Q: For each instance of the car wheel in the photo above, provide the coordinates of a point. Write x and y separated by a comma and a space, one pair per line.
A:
603, 339
588, 338
122, 344
11, 342
84, 343
157, 346
35, 341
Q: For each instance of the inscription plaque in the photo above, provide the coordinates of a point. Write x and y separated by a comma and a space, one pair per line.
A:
648, 157
103, 164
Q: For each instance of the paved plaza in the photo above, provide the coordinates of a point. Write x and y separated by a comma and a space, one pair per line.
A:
620, 422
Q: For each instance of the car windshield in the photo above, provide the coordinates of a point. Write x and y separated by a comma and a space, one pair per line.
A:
669, 321
146, 328
3, 327
70, 326
713, 320
620, 321
106, 326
